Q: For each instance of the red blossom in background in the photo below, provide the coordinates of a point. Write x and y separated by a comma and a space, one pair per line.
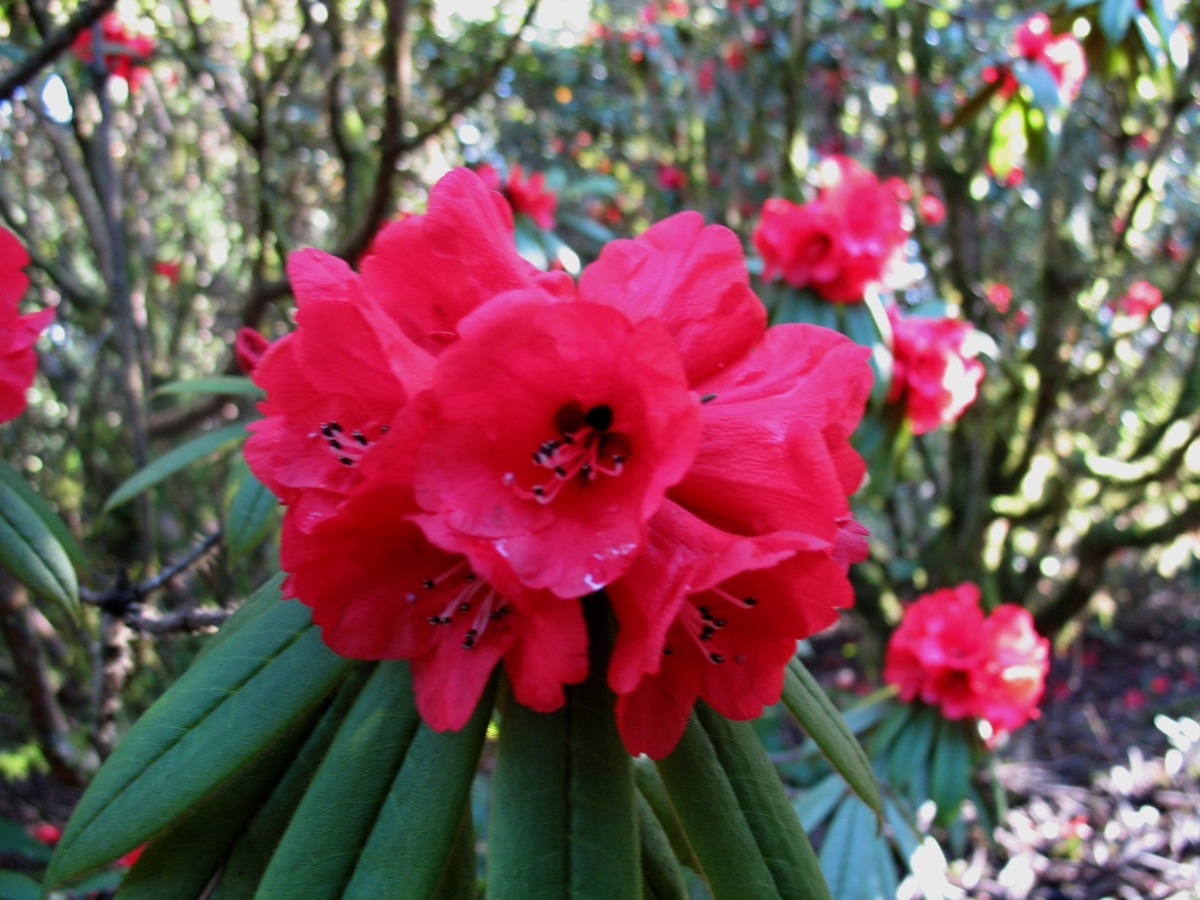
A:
169, 270
1061, 55
528, 196
934, 374
671, 178
1139, 300
999, 295
932, 210
249, 349
18, 333
492, 443
839, 243
46, 833
125, 52
946, 653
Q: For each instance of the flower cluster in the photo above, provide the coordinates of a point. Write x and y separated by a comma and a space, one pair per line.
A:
1060, 54
527, 196
1141, 299
18, 361
839, 243
125, 52
467, 446
934, 371
948, 654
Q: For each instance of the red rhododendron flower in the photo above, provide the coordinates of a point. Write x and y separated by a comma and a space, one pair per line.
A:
169, 270
1061, 55
249, 349
671, 178
131, 857
999, 296
932, 210
934, 373
839, 243
948, 654
528, 196
46, 833
1139, 300
18, 361
124, 51
498, 445
762, 511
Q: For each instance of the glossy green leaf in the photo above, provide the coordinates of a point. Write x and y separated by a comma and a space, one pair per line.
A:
564, 821
1115, 16
950, 777
52, 520
460, 878
30, 552
710, 814
221, 384
891, 726
660, 869
212, 723
182, 861
252, 513
262, 601
650, 788
249, 857
805, 700
18, 886
317, 855
815, 804
174, 461
909, 752
409, 853
765, 804
848, 855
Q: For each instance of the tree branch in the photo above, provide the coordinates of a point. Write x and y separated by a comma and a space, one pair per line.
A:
86, 16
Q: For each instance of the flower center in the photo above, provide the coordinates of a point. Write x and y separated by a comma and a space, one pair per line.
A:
349, 446
584, 450
458, 594
704, 626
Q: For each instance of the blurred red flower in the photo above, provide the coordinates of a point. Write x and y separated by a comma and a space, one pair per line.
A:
527, 196
934, 373
1139, 300
1061, 55
932, 210
46, 833
946, 653
249, 349
999, 295
18, 333
125, 53
671, 178
169, 270
839, 243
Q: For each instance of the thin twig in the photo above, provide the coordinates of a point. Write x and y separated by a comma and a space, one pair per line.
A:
86, 16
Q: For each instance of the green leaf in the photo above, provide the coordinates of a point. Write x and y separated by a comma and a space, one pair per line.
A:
650, 788
711, 816
460, 879
660, 869
211, 724
1115, 16
262, 601
1041, 84
817, 715
881, 738
249, 858
848, 855
31, 553
317, 854
18, 886
815, 804
410, 850
220, 384
170, 463
251, 516
765, 804
182, 861
564, 821
950, 778
13, 479
910, 750
1008, 143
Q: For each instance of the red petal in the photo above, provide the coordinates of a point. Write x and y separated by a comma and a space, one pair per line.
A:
691, 278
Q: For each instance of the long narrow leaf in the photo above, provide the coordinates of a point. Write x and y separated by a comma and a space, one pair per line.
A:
564, 822
252, 512
773, 822
660, 869
11, 478
318, 853
170, 463
220, 384
819, 717
31, 553
212, 723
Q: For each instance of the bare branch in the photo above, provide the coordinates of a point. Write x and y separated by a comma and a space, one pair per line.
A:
86, 16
